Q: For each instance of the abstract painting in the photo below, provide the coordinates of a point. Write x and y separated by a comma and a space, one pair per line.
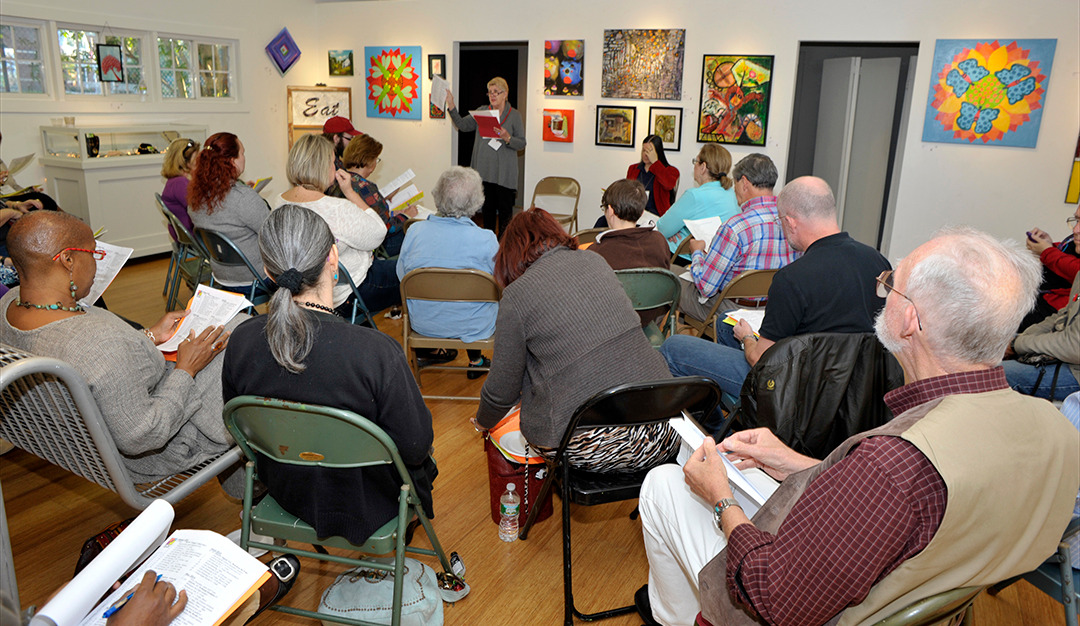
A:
615, 126
735, 92
564, 67
341, 62
643, 64
559, 125
110, 67
283, 51
990, 91
666, 123
393, 82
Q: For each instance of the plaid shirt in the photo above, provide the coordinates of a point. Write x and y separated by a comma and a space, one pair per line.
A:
370, 194
752, 240
855, 523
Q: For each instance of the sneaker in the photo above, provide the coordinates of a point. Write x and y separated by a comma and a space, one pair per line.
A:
484, 362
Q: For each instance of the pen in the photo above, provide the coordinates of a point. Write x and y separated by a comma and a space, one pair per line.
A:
119, 604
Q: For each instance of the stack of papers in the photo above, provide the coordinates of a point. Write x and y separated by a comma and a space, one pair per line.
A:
107, 269
753, 317
209, 307
704, 229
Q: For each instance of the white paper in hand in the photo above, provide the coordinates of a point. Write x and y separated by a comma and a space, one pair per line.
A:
210, 307
107, 269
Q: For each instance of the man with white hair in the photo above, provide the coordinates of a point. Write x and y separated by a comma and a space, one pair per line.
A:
970, 484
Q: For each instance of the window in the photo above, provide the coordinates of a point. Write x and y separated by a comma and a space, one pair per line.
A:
182, 61
22, 63
215, 76
78, 62
174, 59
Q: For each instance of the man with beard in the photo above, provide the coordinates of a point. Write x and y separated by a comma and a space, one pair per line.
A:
339, 131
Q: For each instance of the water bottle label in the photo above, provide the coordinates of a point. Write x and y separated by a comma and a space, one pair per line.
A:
508, 509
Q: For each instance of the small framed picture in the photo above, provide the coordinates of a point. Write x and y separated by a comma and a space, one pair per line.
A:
341, 62
666, 123
436, 64
615, 126
283, 51
110, 64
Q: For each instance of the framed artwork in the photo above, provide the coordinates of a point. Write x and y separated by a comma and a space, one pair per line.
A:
310, 107
110, 64
436, 64
1072, 191
341, 62
991, 91
643, 64
283, 51
564, 67
559, 125
393, 82
735, 93
615, 126
666, 123
435, 112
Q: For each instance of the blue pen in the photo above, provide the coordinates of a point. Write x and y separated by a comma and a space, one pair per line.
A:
119, 604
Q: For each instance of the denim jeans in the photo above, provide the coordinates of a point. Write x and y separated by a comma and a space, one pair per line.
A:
691, 356
1022, 378
381, 288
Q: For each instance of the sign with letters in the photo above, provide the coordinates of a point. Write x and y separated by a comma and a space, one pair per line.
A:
310, 107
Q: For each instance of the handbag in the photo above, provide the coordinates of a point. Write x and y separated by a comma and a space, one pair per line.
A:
511, 459
368, 594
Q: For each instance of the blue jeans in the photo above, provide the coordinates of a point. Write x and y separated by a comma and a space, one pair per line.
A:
1022, 378
691, 356
381, 288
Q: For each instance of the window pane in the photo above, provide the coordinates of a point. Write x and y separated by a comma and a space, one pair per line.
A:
184, 88
32, 78
182, 54
132, 51
71, 80
165, 57
168, 84
90, 79
221, 85
7, 77
206, 84
27, 43
221, 58
206, 56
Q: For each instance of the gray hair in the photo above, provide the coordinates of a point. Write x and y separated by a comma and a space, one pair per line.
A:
758, 169
309, 163
807, 197
972, 291
293, 238
459, 192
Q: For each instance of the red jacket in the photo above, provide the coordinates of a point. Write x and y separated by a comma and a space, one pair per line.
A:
664, 183
1061, 263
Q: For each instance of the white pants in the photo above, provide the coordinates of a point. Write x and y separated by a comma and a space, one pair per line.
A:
680, 538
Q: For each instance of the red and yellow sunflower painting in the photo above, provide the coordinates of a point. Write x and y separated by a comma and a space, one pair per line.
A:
393, 82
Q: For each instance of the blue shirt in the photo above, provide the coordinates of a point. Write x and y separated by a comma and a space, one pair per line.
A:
708, 200
453, 243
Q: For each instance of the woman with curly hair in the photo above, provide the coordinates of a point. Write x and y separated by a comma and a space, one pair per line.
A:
218, 200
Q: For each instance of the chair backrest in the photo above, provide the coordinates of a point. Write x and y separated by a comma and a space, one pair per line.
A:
937, 609
650, 287
183, 235
450, 285
682, 248
749, 284
588, 235
223, 251
559, 186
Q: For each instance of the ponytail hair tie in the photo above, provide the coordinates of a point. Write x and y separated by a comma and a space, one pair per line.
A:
291, 279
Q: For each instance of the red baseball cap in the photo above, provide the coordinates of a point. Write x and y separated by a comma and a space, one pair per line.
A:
338, 124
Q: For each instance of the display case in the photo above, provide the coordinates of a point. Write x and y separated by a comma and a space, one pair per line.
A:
108, 175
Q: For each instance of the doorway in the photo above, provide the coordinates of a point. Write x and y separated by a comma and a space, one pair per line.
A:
852, 104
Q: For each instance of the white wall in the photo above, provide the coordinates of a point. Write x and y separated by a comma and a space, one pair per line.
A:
1003, 190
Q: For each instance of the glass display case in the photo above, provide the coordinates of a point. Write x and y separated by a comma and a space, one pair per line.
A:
99, 142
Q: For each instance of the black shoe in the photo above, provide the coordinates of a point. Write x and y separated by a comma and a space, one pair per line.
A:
285, 569
425, 358
484, 362
641, 603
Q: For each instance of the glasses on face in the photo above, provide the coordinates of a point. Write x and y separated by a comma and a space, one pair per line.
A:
98, 254
694, 162
495, 93
885, 286
1071, 221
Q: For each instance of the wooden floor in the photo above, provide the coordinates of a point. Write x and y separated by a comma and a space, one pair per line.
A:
51, 512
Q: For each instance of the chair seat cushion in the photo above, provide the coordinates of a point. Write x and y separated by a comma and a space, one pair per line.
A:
268, 518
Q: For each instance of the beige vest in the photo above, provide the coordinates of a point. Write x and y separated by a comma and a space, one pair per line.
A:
1010, 496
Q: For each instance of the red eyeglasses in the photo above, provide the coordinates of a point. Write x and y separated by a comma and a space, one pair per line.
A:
98, 254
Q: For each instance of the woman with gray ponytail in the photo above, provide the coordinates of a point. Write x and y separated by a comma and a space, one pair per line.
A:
304, 352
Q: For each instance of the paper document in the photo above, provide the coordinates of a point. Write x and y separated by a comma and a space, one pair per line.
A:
704, 229
439, 88
753, 317
422, 212
107, 269
399, 182
648, 219
262, 182
209, 307
20, 164
487, 123
405, 197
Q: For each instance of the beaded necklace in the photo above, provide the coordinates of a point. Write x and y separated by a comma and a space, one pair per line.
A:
312, 305
50, 307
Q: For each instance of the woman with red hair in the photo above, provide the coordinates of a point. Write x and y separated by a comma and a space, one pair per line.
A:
218, 200
566, 331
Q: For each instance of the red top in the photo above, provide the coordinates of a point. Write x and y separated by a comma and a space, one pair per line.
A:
1064, 265
666, 178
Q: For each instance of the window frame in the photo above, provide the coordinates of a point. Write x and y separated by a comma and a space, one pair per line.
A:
47, 66
106, 88
195, 41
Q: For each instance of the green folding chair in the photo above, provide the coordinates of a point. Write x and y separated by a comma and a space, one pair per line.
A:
947, 607
652, 288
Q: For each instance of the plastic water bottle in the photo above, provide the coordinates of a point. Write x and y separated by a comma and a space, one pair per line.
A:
509, 506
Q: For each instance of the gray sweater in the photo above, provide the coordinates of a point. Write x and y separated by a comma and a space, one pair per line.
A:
565, 331
239, 217
161, 419
495, 166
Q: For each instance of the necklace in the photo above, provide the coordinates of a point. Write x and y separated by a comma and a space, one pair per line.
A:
312, 305
50, 307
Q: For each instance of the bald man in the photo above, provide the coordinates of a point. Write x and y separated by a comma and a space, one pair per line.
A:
971, 483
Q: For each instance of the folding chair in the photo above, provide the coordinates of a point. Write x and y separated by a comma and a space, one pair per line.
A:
444, 285
224, 252
359, 309
749, 284
308, 435
588, 235
681, 249
188, 261
625, 405
565, 187
942, 608
47, 409
1056, 577
652, 288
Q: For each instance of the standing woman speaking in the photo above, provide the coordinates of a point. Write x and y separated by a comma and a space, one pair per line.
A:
495, 159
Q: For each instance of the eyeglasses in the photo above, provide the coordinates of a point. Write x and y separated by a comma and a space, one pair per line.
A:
885, 285
98, 254
1071, 221
695, 161
495, 93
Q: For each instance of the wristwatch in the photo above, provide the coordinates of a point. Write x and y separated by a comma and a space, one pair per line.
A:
720, 507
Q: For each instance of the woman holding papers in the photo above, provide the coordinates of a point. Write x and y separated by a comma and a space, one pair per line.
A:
713, 197
301, 351
495, 157
358, 228
164, 417
659, 177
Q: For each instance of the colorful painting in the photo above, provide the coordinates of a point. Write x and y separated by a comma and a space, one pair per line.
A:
341, 62
435, 112
283, 51
615, 126
564, 67
988, 91
559, 125
436, 65
735, 92
643, 64
1072, 193
666, 123
110, 67
394, 82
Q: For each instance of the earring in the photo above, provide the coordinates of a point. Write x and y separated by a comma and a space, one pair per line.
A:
73, 288
335, 275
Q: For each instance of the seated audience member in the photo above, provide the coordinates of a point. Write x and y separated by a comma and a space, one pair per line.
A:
558, 342
712, 197
176, 170
10, 189
1070, 408
304, 352
653, 171
153, 603
452, 240
829, 289
360, 160
359, 230
218, 200
339, 131
752, 240
1061, 264
1038, 349
10, 211
895, 514
164, 418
